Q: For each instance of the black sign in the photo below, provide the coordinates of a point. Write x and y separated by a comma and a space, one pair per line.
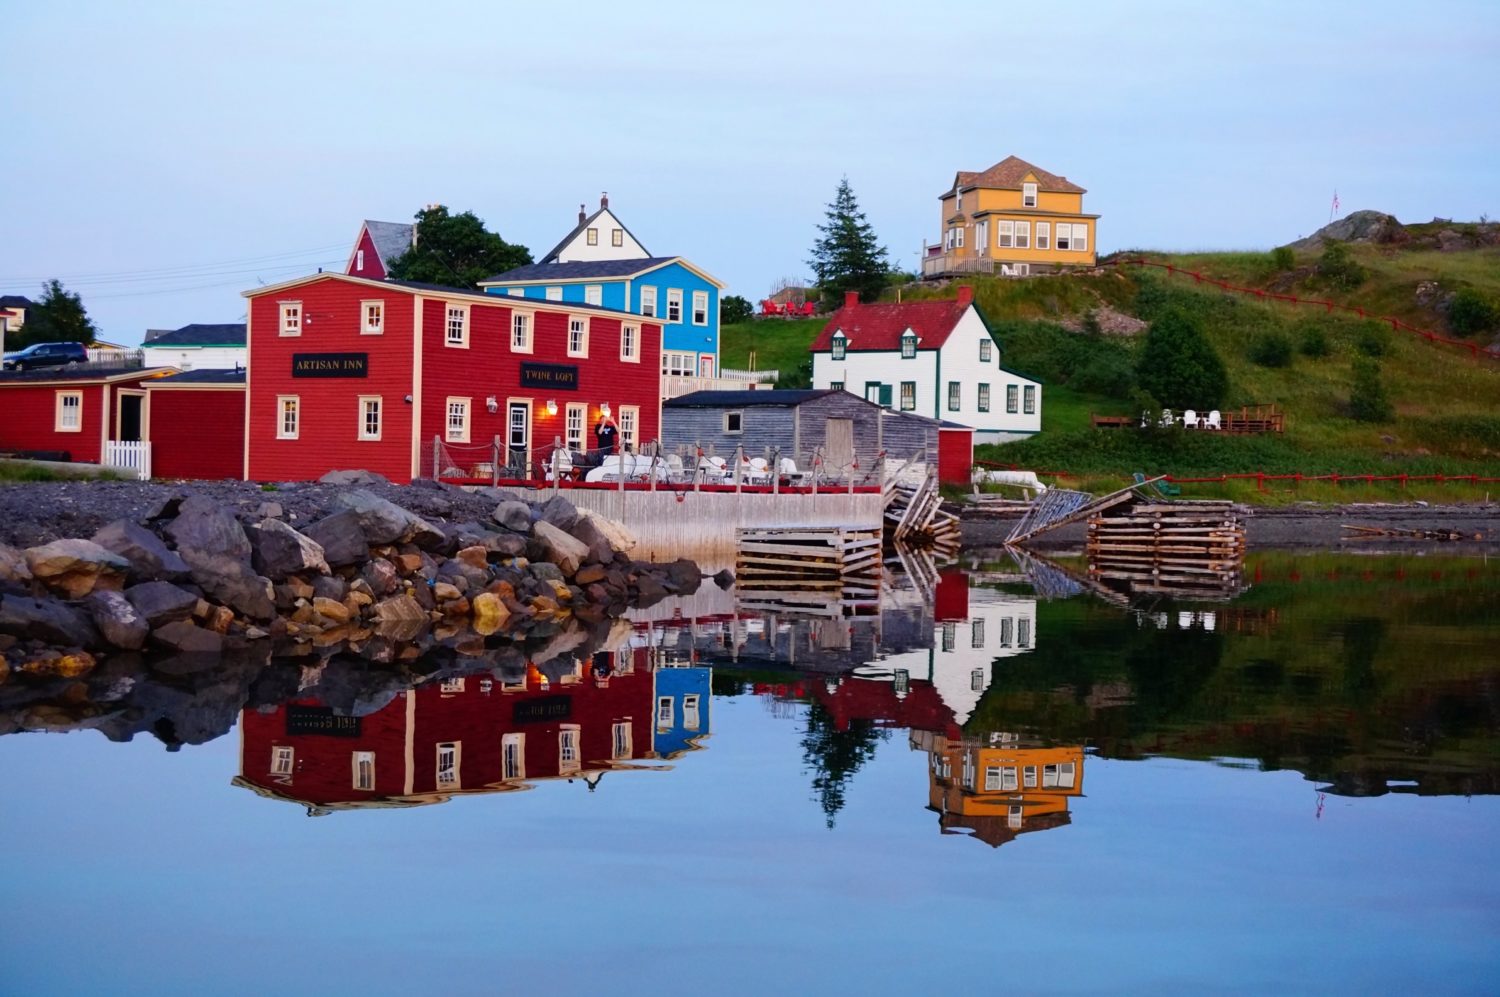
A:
559, 376
319, 720
536, 711
330, 364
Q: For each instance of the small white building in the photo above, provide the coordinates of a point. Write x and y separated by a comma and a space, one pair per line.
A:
934, 358
198, 346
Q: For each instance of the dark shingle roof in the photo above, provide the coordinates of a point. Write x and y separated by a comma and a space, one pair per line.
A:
506, 298
580, 270
391, 239
80, 373
742, 399
200, 334
227, 377
15, 301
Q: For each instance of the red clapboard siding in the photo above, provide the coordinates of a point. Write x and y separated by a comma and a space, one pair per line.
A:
323, 766
197, 432
372, 268
28, 416
955, 455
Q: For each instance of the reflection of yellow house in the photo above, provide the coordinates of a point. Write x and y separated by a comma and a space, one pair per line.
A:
1012, 218
995, 788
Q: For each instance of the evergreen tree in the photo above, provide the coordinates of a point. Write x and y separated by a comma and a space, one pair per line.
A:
1177, 364
59, 317
834, 755
847, 256
1368, 401
456, 250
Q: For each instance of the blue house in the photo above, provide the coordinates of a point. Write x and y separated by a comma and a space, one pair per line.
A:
681, 714
600, 262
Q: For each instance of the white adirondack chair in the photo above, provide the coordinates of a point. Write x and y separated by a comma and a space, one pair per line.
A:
1213, 420
1190, 419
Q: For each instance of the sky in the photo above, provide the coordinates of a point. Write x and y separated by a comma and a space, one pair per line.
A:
160, 158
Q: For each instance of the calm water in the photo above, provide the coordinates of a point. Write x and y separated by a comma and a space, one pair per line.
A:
974, 789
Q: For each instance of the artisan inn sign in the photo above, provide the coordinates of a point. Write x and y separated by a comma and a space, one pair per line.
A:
330, 364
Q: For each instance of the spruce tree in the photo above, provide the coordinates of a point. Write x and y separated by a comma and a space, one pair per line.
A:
456, 250
59, 317
847, 256
1177, 364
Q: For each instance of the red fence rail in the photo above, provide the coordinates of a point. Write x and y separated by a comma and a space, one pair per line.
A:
1261, 477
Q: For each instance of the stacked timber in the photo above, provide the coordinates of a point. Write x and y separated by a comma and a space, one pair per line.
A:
1189, 550
820, 571
914, 516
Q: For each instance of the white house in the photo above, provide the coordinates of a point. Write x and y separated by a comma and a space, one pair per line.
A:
198, 346
935, 358
600, 236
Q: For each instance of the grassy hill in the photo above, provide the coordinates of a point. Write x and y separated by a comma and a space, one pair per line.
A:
771, 344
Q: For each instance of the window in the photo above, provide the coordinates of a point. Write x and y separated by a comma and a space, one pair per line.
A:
958, 202
984, 397
839, 344
369, 417
517, 292
1028, 777
630, 421
630, 343
1028, 195
567, 748
1064, 236
619, 741
359, 260
664, 712
363, 764
573, 422
450, 687
986, 349
734, 422
674, 305
616, 237
1080, 238
458, 420
648, 301
374, 315
678, 364
981, 236
1015, 816
1023, 632
513, 756
286, 416
457, 329
1059, 776
1028, 404
291, 318
908, 396
976, 680
968, 770
1007, 629
836, 385
1043, 235
1023, 235
950, 636
578, 336
447, 764
700, 308
69, 418
591, 237
1012, 399
958, 237
593, 294
690, 718
955, 396
520, 333
283, 759
554, 294
976, 633
1005, 233
992, 778
909, 346
518, 425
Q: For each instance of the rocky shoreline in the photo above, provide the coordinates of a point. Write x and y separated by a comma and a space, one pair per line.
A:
202, 571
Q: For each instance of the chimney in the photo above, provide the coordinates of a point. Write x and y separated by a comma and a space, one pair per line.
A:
965, 296
604, 200
851, 299
583, 216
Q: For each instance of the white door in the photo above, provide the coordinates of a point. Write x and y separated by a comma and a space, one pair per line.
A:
518, 437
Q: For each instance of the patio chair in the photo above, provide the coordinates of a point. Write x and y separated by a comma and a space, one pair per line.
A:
768, 307
1190, 419
758, 472
1168, 420
808, 307
1163, 487
1213, 420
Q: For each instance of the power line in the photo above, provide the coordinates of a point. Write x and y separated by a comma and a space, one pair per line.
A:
163, 291
180, 269
133, 281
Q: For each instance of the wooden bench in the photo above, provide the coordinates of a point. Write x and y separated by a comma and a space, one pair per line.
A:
1111, 421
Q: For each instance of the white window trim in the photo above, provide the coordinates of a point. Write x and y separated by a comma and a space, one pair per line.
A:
281, 433
1043, 235
285, 309
1005, 233
674, 297
630, 426
739, 415
554, 294
359, 260
692, 718
355, 757
621, 741
449, 308
697, 296
448, 433
1080, 237
665, 718
364, 318
1061, 235
1028, 195
525, 322
519, 741
283, 759
581, 410
648, 292
516, 292
583, 351
57, 419
633, 355
1023, 235
458, 754
364, 432
593, 294
569, 736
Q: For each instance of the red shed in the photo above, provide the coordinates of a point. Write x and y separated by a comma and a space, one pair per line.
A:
955, 453
73, 412
414, 380
195, 422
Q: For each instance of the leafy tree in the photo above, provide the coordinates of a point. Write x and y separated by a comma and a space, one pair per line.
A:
834, 755
456, 250
1178, 366
847, 256
1367, 397
1472, 312
734, 308
59, 317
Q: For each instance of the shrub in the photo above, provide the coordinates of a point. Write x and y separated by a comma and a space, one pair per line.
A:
735, 309
1313, 342
1178, 366
1471, 312
1339, 268
1372, 340
1367, 398
1282, 258
1105, 374
1271, 349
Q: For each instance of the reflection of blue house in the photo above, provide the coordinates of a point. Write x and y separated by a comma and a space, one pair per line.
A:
682, 697
601, 263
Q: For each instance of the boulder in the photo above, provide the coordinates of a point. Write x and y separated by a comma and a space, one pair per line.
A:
587, 531
548, 543
490, 613
724, 578
588, 574
13, 566
477, 557
205, 526
381, 575
269, 510
52, 664
188, 638
231, 581
341, 537
558, 511
514, 515
386, 522
46, 620
506, 544
281, 551
150, 559
684, 575
620, 539
400, 609
330, 587
445, 592
331, 609
119, 622
649, 591
160, 603
352, 478
546, 571
76, 567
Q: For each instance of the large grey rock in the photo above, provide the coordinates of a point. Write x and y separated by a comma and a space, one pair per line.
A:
587, 532
119, 622
548, 543
381, 576
76, 567
47, 620
281, 551
150, 559
232, 582
621, 539
342, 538
514, 515
161, 603
506, 544
545, 571
684, 576
350, 478
386, 522
1356, 226
558, 511
205, 526
13, 566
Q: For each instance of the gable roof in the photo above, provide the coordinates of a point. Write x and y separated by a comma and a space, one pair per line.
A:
15, 301
744, 399
198, 334
541, 273
1008, 174
880, 326
577, 229
391, 239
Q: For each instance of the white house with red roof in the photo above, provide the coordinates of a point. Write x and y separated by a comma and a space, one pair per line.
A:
935, 358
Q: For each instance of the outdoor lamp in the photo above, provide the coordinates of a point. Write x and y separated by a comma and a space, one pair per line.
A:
552, 406
604, 408
491, 405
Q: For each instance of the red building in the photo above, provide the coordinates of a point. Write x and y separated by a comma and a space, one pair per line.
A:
73, 412
414, 380
195, 422
378, 246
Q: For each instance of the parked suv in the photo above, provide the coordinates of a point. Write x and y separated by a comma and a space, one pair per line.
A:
47, 355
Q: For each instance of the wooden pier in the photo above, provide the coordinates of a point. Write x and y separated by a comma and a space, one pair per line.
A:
1184, 549
811, 571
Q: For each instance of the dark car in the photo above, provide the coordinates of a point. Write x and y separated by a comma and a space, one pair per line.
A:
47, 355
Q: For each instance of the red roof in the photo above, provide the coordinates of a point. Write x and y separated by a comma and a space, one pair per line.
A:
1009, 173
880, 326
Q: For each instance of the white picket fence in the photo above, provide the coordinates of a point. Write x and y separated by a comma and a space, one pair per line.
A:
132, 454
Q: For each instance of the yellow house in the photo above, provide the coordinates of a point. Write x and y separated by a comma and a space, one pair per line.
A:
1013, 219
995, 789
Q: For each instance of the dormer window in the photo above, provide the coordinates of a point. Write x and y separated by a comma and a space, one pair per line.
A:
958, 201
909, 345
839, 342
1028, 195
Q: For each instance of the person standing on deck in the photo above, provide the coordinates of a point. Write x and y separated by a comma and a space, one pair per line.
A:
607, 434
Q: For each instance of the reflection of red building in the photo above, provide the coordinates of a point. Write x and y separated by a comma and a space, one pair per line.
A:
885, 703
462, 735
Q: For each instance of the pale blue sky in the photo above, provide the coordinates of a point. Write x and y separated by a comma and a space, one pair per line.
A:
154, 149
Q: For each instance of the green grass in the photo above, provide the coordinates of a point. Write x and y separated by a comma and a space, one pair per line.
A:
777, 344
23, 471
